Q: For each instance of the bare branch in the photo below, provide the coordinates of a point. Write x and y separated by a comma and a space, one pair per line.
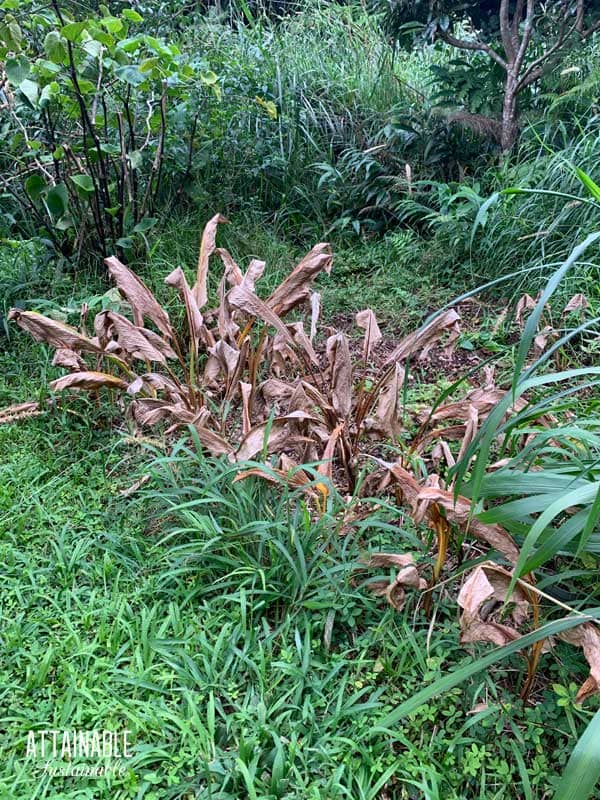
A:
465, 44
516, 21
505, 32
529, 17
536, 68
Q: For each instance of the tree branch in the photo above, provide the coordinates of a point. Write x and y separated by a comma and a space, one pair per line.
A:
465, 44
505, 32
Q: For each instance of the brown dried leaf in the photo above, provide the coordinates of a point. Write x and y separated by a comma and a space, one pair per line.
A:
70, 359
178, 280
52, 332
586, 636
296, 287
207, 248
277, 433
91, 381
340, 365
458, 513
140, 298
578, 302
484, 591
425, 337
247, 301
137, 342
526, 303
387, 417
408, 575
367, 321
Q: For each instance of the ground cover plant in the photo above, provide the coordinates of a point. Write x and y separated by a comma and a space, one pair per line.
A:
310, 520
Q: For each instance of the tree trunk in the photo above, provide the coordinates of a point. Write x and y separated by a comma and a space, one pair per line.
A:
510, 125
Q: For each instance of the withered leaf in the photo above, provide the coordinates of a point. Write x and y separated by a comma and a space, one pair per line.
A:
367, 321
586, 636
70, 359
88, 380
142, 301
340, 369
137, 342
247, 301
458, 513
295, 289
52, 332
425, 336
207, 248
178, 280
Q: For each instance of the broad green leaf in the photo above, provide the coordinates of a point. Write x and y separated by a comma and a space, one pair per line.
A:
17, 69
30, 90
83, 183
131, 74
131, 15
10, 34
73, 30
49, 92
35, 186
55, 47
581, 774
57, 200
145, 225
112, 24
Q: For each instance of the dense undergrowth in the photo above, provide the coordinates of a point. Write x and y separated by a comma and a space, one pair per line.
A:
241, 630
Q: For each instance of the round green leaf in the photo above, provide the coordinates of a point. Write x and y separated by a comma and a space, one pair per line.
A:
83, 183
57, 200
55, 47
130, 74
17, 69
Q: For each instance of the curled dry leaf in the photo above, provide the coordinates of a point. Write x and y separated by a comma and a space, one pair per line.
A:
207, 248
340, 367
88, 380
136, 342
140, 298
275, 433
387, 417
195, 321
70, 359
483, 593
526, 303
407, 576
425, 337
52, 332
295, 289
367, 321
247, 301
457, 512
578, 302
586, 636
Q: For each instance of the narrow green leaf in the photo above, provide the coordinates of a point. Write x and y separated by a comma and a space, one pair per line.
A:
583, 768
464, 673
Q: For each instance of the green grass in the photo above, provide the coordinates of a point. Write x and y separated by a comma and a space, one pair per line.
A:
225, 629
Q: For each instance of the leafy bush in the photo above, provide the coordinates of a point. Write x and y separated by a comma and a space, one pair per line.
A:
100, 122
